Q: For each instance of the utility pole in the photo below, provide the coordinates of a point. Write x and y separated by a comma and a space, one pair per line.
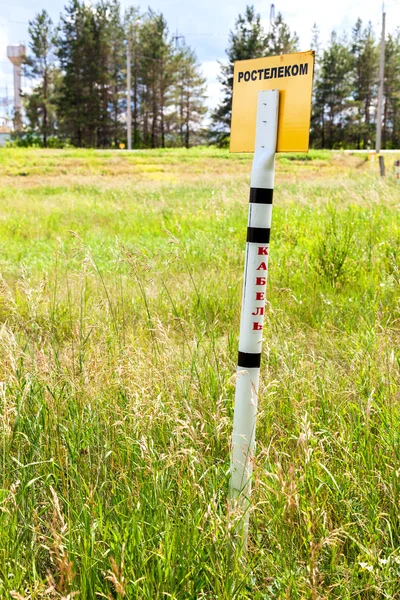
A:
380, 91
271, 16
176, 39
135, 89
128, 95
179, 101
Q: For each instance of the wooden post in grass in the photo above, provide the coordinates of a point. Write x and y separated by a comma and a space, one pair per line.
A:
267, 92
382, 165
397, 169
253, 300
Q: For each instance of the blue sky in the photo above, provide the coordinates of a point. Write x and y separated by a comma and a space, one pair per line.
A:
206, 24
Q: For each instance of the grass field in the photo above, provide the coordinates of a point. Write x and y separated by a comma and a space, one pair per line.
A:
119, 318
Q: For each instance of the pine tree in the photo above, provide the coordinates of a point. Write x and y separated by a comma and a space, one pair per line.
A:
78, 105
332, 93
111, 61
280, 40
315, 42
155, 76
190, 90
40, 65
91, 55
132, 24
317, 116
391, 90
246, 41
365, 58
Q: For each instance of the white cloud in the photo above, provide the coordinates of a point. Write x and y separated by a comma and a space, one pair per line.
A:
211, 70
213, 95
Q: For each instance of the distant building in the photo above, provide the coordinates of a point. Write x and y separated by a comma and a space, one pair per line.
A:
17, 55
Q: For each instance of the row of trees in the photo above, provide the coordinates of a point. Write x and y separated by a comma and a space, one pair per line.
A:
80, 79
346, 90
345, 82
79, 71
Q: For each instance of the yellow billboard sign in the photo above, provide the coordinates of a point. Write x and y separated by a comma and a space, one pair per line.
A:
292, 75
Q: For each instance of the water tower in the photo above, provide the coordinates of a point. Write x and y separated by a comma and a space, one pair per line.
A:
17, 56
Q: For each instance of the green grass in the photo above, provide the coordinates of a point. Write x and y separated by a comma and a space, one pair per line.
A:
119, 309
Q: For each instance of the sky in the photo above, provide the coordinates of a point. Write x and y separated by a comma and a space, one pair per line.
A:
206, 24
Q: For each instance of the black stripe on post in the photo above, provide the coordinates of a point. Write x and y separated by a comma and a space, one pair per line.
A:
258, 235
261, 195
248, 360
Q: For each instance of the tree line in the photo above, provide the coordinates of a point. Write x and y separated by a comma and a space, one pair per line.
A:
79, 74
345, 81
346, 90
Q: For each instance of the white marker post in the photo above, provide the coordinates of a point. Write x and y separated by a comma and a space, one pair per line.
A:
253, 304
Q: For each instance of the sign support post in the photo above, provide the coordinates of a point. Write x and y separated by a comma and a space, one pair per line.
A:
265, 90
253, 304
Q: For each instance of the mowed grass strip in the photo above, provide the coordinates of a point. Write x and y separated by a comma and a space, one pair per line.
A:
119, 306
